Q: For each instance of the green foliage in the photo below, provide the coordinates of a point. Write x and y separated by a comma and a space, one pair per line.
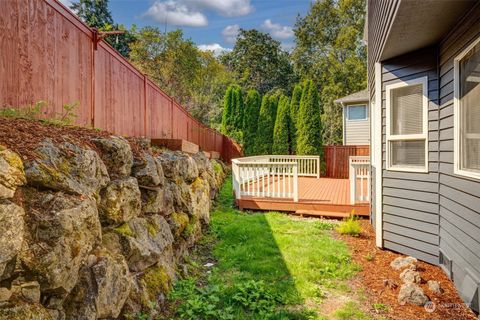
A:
282, 137
38, 112
266, 123
309, 132
239, 109
258, 62
252, 110
330, 51
350, 311
294, 111
95, 14
233, 113
268, 265
228, 112
350, 226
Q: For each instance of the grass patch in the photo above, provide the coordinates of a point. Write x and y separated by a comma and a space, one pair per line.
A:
269, 265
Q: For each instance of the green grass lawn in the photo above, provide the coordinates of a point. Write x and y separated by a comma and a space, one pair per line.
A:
268, 266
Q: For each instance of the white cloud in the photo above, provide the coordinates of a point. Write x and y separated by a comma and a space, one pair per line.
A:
215, 47
230, 33
288, 46
229, 8
176, 13
277, 30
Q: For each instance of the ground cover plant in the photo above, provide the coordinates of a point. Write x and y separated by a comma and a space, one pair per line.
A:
266, 266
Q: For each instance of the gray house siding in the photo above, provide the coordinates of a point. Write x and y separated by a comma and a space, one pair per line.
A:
459, 196
410, 200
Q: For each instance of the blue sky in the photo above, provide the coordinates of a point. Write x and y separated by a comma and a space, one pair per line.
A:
213, 24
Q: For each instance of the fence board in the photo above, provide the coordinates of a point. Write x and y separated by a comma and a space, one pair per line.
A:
336, 159
48, 54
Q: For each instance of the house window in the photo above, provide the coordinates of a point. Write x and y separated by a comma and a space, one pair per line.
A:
467, 112
407, 126
357, 112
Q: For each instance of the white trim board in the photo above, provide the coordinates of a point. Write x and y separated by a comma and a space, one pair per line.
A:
376, 153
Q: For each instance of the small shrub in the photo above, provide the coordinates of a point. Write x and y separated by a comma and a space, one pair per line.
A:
37, 111
370, 256
350, 226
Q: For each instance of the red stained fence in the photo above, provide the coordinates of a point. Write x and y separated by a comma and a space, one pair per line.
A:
336, 159
48, 54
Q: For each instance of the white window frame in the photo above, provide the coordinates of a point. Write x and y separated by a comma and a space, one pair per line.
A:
457, 116
356, 105
406, 137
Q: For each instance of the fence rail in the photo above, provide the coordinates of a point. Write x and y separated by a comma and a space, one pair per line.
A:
49, 54
337, 159
359, 179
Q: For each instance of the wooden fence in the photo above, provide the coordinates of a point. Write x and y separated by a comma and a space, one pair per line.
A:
48, 54
336, 159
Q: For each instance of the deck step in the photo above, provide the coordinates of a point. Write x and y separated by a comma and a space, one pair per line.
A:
323, 213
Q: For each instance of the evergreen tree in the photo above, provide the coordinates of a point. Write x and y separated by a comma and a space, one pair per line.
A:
239, 109
309, 134
294, 110
252, 110
95, 14
266, 122
227, 115
282, 139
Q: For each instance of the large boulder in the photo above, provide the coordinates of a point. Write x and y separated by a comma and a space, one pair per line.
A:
103, 286
157, 200
181, 197
11, 236
120, 201
148, 171
12, 174
61, 232
200, 197
143, 242
68, 168
117, 155
413, 294
177, 165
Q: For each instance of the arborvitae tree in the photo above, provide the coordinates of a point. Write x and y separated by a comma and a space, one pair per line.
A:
282, 139
309, 134
227, 115
266, 122
294, 110
239, 109
252, 110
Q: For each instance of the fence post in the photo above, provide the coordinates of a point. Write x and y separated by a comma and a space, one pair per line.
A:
353, 182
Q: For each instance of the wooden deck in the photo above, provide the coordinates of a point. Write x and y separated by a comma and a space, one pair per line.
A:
319, 197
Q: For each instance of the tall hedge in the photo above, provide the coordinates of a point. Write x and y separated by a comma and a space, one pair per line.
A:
282, 138
227, 115
253, 102
266, 122
294, 111
309, 131
238, 109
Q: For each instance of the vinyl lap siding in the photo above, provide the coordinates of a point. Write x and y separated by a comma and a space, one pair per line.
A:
357, 132
410, 200
459, 200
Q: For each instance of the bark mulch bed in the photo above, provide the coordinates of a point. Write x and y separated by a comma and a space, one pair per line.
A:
376, 268
23, 136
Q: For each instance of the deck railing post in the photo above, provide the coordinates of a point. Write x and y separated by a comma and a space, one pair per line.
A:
295, 183
353, 182
235, 179
318, 167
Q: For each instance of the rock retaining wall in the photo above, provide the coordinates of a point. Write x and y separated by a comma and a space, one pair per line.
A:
97, 235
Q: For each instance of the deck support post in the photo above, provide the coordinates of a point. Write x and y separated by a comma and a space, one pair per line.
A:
353, 182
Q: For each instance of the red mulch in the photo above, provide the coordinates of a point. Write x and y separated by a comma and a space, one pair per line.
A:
374, 272
23, 136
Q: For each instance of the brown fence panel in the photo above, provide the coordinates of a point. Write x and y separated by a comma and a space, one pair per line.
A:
336, 159
49, 54
45, 57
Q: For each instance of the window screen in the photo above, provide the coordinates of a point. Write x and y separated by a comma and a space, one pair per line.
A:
469, 94
407, 111
357, 112
407, 154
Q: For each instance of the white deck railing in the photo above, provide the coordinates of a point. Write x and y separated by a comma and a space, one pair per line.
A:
359, 175
272, 176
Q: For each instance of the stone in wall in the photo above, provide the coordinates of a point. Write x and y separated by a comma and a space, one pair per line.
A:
116, 155
12, 174
11, 236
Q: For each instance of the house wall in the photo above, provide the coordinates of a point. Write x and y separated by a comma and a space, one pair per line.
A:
459, 197
410, 200
356, 132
